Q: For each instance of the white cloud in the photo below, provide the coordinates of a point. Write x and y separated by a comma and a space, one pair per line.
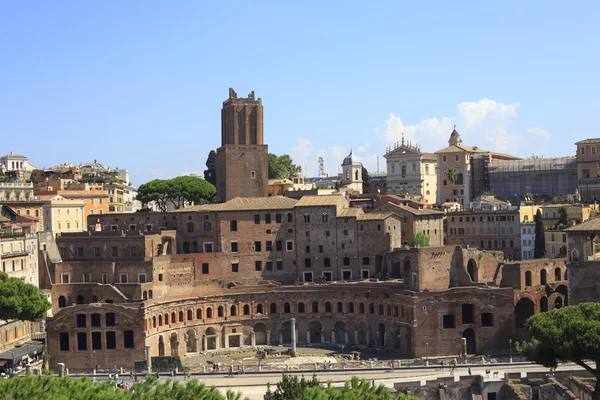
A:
303, 154
157, 173
477, 122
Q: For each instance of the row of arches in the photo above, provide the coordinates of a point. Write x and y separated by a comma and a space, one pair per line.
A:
526, 307
315, 307
313, 332
544, 276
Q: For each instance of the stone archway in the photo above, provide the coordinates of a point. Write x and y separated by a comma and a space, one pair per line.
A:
191, 341
210, 339
174, 339
396, 269
473, 270
161, 346
166, 245
341, 333
315, 330
523, 310
381, 335
543, 304
469, 335
260, 334
285, 333
562, 289
361, 335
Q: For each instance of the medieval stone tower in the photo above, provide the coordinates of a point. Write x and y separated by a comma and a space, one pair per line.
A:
242, 159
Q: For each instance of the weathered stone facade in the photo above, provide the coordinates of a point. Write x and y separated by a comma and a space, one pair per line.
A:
242, 159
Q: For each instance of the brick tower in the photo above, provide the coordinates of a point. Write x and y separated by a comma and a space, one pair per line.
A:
242, 159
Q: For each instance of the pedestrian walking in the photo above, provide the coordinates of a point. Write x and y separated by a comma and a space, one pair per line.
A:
231, 371
393, 365
172, 374
470, 371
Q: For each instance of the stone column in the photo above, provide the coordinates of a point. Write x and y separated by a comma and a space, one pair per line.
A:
385, 340
226, 341
218, 340
268, 337
356, 337
148, 360
332, 337
308, 336
197, 344
322, 337
293, 321
345, 337
253, 338
204, 343
280, 337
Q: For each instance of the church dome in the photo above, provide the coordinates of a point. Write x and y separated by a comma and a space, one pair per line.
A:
454, 137
351, 159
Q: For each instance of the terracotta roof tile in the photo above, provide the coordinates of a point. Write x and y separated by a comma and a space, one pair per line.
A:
246, 204
374, 216
591, 225
325, 200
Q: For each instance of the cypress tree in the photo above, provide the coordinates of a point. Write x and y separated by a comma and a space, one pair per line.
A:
539, 250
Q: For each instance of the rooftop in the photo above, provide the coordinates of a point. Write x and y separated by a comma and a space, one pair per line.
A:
591, 225
13, 155
326, 200
246, 204
374, 216
589, 141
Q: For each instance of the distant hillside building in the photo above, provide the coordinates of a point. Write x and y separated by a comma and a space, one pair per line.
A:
411, 171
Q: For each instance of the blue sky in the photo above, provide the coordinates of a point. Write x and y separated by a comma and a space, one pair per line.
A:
140, 84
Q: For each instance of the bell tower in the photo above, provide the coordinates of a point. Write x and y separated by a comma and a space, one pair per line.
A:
242, 159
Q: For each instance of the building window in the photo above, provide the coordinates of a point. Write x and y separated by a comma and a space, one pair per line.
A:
233, 226
324, 217
80, 320
234, 247
81, 341
96, 341
487, 319
257, 218
346, 261
252, 174
468, 314
96, 251
190, 227
124, 278
257, 246
347, 275
279, 265
258, 266
307, 218
443, 158
267, 218
289, 217
278, 218
111, 340
235, 267
289, 245
269, 245
308, 276
269, 265
307, 262
110, 319
128, 339
207, 227
63, 339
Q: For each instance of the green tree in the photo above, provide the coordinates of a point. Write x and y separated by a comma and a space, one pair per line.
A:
562, 217
210, 173
177, 191
291, 388
452, 174
366, 186
560, 200
566, 334
539, 250
421, 239
281, 166
20, 300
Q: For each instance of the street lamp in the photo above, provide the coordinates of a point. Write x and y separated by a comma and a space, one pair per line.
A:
427, 354
510, 350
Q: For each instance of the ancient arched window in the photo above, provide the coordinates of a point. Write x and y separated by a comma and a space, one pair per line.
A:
246, 309
190, 227
403, 171
207, 227
324, 217
273, 308
62, 302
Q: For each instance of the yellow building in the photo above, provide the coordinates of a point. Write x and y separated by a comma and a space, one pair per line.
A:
576, 214
556, 243
64, 215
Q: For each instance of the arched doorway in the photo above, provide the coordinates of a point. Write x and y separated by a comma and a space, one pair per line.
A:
469, 335
211, 339
285, 333
315, 330
406, 269
558, 302
396, 338
161, 346
562, 289
191, 342
362, 334
340, 333
174, 344
523, 310
544, 304
381, 335
472, 270
260, 334
395, 269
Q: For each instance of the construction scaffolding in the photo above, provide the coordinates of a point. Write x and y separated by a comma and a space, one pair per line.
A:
542, 177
